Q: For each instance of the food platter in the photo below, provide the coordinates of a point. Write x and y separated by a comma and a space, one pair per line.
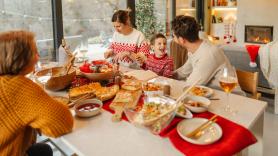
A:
201, 91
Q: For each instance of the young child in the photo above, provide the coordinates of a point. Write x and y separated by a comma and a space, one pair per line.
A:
159, 62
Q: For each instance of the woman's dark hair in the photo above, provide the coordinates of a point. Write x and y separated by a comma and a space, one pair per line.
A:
156, 36
186, 27
16, 51
121, 16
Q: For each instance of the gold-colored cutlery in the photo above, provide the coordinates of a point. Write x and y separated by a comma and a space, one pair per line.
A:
199, 131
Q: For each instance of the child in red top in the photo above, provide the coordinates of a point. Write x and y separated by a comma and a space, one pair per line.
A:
159, 62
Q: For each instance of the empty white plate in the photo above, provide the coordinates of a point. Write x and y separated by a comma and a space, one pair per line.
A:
210, 134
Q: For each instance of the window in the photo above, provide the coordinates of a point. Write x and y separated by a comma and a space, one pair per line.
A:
32, 15
87, 24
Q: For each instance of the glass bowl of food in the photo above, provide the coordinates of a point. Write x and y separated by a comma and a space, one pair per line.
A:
154, 114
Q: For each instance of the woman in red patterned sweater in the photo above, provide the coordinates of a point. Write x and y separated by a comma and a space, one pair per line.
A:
159, 62
129, 47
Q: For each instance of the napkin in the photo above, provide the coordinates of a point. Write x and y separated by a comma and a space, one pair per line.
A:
234, 139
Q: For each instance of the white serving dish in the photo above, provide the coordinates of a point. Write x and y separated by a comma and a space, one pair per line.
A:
209, 91
187, 115
204, 107
88, 113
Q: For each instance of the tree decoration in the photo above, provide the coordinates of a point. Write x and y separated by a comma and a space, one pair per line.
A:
146, 20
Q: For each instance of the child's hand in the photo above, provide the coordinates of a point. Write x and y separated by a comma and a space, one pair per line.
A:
140, 57
108, 54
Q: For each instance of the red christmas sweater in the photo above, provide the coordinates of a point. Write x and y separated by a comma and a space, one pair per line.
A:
134, 42
162, 66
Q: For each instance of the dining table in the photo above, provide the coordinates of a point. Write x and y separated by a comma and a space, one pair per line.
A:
99, 136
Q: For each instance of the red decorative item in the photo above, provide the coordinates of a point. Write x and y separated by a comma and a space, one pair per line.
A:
253, 51
99, 62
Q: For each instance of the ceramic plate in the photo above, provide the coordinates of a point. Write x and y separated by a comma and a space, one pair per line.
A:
210, 135
201, 91
183, 112
205, 102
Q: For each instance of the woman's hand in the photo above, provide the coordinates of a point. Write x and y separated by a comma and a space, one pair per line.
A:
108, 54
121, 56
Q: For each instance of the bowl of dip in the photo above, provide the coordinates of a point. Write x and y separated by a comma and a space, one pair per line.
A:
88, 108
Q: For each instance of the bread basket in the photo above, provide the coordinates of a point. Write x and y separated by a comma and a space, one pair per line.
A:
59, 79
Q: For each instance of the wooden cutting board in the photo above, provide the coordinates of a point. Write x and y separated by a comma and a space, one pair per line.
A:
124, 99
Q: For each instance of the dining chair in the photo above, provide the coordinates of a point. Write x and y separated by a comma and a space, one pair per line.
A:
178, 53
248, 81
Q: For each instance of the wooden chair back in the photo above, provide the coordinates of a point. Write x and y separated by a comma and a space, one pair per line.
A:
178, 53
248, 82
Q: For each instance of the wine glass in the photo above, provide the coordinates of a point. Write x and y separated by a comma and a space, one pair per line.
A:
228, 81
83, 50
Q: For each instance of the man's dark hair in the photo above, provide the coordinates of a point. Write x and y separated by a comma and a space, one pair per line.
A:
186, 27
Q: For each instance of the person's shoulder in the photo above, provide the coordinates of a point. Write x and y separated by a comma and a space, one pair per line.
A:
211, 47
138, 33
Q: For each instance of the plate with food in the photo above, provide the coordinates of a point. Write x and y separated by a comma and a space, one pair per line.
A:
196, 104
207, 136
152, 89
201, 91
131, 85
183, 112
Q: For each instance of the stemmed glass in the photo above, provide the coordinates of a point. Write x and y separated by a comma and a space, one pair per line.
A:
44, 78
228, 81
83, 50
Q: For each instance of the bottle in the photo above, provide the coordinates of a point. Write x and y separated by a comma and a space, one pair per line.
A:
166, 90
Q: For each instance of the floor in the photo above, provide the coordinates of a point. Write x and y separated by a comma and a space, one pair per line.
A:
270, 132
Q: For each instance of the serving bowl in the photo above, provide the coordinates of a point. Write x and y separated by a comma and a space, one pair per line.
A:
196, 104
88, 108
155, 114
58, 78
98, 76
97, 70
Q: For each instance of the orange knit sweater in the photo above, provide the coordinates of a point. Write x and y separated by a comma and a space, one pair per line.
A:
24, 106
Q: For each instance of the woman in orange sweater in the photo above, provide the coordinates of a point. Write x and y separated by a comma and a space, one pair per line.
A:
24, 106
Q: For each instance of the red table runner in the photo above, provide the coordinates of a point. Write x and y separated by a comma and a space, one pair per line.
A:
234, 139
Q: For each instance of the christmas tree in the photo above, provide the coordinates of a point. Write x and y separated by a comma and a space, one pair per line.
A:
145, 18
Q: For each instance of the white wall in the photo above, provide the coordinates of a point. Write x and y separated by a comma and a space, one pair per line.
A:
256, 12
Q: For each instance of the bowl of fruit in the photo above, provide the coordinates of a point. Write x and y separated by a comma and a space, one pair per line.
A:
97, 70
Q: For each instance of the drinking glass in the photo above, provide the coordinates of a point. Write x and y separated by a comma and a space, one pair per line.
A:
44, 79
83, 50
228, 81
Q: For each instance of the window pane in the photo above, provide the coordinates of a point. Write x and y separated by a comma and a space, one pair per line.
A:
32, 15
87, 24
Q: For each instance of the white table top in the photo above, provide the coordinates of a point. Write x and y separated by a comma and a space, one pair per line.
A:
99, 136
